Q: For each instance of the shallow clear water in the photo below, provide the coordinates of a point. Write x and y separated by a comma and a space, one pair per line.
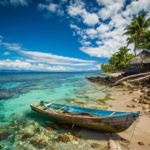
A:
19, 90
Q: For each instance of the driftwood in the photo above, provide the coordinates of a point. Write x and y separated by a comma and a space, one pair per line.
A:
140, 79
132, 76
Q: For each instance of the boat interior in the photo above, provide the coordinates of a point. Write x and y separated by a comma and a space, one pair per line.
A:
79, 111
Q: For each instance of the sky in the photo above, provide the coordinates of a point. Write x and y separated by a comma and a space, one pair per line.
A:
63, 35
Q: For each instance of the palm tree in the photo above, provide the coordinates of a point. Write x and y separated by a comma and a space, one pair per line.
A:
122, 58
145, 41
122, 52
136, 29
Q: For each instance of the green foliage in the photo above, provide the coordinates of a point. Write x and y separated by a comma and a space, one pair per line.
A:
145, 41
118, 60
136, 29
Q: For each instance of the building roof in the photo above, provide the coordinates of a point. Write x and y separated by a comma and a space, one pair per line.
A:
141, 58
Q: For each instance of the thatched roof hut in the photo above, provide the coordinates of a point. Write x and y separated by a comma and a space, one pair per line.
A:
142, 60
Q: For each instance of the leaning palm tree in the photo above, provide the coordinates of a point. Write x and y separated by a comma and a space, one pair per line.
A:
145, 41
136, 29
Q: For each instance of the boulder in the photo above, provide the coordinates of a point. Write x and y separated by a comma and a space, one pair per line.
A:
78, 100
40, 140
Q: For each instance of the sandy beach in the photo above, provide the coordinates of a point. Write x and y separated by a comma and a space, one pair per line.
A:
111, 74
140, 131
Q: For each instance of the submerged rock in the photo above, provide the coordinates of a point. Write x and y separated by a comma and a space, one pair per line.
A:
61, 137
49, 148
65, 125
40, 140
53, 125
4, 135
95, 145
6, 95
65, 138
25, 137
49, 128
75, 130
78, 100
27, 130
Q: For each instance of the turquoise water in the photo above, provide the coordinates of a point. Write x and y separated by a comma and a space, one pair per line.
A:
19, 90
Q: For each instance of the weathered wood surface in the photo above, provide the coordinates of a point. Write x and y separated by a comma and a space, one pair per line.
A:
140, 79
117, 124
132, 76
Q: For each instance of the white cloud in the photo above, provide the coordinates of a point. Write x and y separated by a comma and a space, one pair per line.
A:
91, 33
99, 42
79, 31
57, 68
23, 65
102, 28
47, 57
111, 9
1, 38
77, 9
109, 36
136, 6
86, 43
54, 59
19, 2
51, 8
6, 53
99, 66
14, 46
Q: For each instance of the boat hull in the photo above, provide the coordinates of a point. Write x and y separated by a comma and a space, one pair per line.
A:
111, 124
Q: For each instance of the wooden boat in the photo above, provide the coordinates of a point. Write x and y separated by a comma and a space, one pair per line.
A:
110, 121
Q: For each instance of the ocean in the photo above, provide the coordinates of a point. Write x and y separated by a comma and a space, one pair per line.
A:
19, 90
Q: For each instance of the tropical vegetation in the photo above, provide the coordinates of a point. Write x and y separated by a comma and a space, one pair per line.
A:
137, 29
118, 60
139, 35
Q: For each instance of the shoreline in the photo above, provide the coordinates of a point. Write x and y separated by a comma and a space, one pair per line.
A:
124, 101
115, 74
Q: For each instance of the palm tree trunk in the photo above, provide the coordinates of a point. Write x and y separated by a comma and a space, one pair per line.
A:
140, 79
132, 76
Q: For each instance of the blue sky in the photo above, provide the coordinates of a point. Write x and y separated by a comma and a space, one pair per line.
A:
63, 35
